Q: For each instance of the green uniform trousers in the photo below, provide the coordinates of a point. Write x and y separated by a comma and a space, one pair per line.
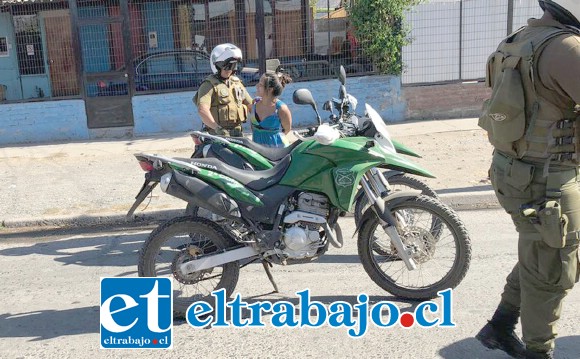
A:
229, 132
543, 275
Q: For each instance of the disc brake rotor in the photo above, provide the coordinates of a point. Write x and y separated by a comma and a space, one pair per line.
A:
422, 242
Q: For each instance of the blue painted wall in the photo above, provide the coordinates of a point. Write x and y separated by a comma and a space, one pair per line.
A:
9, 65
176, 113
172, 112
39, 122
50, 121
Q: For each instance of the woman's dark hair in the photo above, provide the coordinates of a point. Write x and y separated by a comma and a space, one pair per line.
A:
276, 81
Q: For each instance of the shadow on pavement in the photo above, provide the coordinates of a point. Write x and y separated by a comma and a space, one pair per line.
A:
114, 250
338, 258
48, 324
49, 233
566, 348
111, 250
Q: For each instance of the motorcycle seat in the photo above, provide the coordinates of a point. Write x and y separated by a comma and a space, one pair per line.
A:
273, 154
254, 180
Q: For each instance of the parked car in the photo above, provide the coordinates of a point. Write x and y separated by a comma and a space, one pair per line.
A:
167, 70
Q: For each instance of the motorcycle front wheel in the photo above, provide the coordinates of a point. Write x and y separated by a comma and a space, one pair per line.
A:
442, 252
178, 241
398, 182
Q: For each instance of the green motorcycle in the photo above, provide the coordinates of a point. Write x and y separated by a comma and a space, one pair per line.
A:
245, 154
410, 245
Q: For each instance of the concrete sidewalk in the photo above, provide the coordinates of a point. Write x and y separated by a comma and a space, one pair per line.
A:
85, 183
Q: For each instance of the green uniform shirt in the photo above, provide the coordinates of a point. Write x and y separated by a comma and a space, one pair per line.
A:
225, 100
559, 63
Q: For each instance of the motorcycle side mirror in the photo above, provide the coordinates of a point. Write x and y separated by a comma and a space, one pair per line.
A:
304, 97
342, 92
327, 106
342, 75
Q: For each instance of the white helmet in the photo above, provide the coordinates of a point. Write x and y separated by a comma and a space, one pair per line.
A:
223, 55
565, 11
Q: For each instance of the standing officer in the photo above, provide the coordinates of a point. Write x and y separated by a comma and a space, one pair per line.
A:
222, 99
533, 124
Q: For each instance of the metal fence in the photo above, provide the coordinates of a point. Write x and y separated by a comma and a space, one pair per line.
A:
453, 38
98, 48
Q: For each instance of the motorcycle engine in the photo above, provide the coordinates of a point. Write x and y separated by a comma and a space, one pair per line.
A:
302, 237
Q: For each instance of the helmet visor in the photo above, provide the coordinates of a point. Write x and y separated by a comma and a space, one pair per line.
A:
230, 66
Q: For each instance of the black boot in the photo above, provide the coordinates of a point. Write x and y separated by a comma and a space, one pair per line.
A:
539, 355
499, 333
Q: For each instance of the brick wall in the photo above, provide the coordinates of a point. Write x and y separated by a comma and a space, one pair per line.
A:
445, 101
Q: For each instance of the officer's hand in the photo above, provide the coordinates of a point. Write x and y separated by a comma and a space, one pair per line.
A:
220, 131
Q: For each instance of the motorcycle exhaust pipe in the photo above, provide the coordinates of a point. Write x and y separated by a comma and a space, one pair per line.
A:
195, 191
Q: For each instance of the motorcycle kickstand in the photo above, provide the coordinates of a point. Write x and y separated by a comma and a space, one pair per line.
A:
269, 274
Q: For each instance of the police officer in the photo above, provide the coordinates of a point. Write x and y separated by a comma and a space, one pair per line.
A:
533, 124
222, 99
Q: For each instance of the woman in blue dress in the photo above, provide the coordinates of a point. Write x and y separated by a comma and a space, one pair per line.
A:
271, 118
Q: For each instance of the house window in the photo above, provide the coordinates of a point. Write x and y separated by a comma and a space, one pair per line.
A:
29, 45
3, 47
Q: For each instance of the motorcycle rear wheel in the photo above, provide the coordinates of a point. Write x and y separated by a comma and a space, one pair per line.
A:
433, 251
182, 239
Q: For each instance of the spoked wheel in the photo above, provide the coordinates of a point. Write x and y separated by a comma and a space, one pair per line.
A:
398, 182
442, 256
178, 241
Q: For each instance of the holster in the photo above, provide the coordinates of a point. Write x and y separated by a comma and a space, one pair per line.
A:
547, 216
548, 219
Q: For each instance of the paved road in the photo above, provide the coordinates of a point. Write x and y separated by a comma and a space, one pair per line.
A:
50, 295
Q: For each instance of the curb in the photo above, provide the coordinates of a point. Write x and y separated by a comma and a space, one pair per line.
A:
470, 200
93, 220
457, 201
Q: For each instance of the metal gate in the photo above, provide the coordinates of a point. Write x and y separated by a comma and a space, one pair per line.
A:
104, 36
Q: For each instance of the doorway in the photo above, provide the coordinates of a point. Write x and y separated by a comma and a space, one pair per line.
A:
104, 33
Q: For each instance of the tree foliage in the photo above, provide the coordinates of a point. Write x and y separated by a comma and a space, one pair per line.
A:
381, 31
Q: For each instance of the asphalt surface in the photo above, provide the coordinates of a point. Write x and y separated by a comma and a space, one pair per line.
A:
49, 303
62, 209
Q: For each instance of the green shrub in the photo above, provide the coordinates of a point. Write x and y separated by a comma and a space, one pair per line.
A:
381, 31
